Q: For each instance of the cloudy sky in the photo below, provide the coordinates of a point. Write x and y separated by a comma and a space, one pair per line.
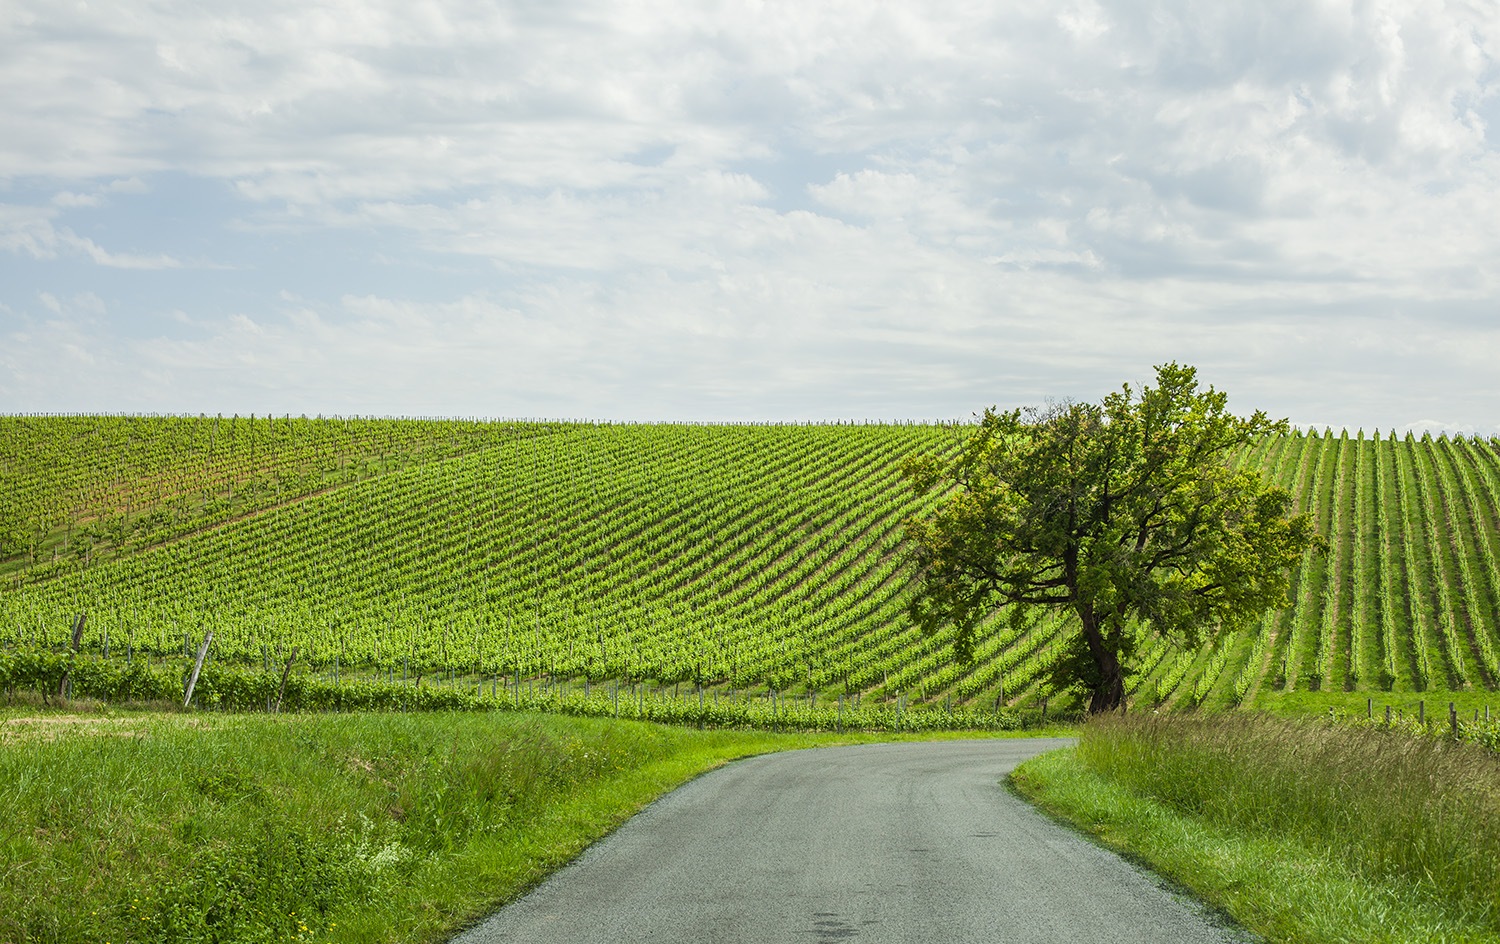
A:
749, 210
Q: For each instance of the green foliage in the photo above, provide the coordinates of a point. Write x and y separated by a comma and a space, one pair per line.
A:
236, 688
741, 556
1127, 513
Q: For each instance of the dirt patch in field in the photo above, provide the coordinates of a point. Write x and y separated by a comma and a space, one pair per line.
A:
51, 727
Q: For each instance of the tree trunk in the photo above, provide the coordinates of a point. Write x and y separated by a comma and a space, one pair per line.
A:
1109, 694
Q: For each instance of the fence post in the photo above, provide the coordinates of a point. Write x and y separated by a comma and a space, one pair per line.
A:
1388, 716
64, 689
1422, 712
1453, 719
187, 698
1369, 708
285, 671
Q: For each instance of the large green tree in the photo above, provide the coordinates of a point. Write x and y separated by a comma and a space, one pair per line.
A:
1130, 513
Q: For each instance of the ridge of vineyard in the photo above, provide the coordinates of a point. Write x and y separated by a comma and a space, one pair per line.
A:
79, 489
736, 556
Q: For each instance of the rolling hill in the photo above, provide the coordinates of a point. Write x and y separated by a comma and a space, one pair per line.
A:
724, 555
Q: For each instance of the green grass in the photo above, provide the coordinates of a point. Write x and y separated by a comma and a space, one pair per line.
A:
1356, 704
376, 827
1303, 831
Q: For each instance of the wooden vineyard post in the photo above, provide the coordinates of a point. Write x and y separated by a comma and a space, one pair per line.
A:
208, 639
78, 624
1369, 708
1422, 712
841, 713
285, 671
1452, 719
1388, 716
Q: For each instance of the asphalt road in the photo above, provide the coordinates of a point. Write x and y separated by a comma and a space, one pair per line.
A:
880, 843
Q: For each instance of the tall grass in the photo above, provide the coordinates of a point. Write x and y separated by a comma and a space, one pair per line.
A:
367, 827
1388, 803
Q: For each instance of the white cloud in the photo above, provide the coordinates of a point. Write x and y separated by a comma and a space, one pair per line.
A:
126, 185
1449, 428
69, 199
66, 198
29, 231
783, 206
115, 260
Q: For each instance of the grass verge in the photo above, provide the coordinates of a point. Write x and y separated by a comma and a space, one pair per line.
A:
1469, 703
1300, 830
191, 827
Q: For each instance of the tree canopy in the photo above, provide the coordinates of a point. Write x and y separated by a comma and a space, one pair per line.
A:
1130, 513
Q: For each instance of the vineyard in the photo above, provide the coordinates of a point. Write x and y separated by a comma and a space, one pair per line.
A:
713, 558
81, 489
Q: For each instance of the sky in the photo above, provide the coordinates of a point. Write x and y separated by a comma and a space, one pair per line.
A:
749, 210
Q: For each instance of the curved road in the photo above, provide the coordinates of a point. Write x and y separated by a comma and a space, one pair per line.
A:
881, 843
